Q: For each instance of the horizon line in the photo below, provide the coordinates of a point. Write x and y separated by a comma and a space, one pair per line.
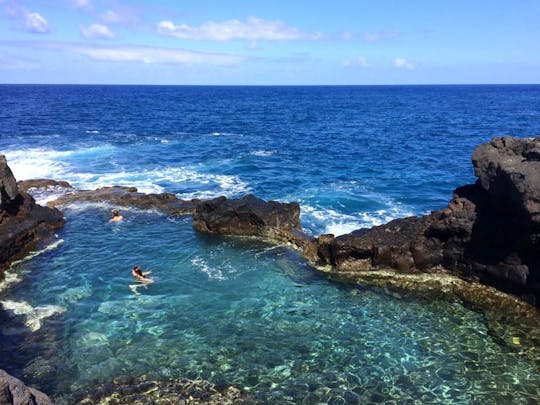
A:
270, 85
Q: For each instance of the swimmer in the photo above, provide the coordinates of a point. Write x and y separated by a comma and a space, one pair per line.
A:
116, 217
140, 275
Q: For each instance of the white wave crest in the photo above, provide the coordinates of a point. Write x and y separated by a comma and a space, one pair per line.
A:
337, 223
62, 165
262, 153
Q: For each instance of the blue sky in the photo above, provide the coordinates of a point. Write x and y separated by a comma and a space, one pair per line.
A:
269, 42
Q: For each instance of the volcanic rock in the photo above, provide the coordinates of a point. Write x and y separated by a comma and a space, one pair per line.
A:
248, 216
490, 231
14, 392
23, 223
167, 203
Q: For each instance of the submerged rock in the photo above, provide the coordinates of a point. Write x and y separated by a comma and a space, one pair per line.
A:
490, 231
14, 392
23, 223
140, 391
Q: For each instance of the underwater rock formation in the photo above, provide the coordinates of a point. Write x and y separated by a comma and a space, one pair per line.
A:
489, 233
129, 197
14, 392
128, 390
23, 223
248, 216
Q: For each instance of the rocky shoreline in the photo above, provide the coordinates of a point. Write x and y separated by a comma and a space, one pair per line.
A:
489, 235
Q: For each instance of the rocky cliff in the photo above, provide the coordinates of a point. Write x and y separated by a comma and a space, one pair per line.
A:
23, 223
23, 226
490, 231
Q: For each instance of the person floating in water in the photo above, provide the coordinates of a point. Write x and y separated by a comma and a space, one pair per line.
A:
140, 275
116, 217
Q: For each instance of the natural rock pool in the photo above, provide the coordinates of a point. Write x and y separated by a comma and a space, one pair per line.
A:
241, 312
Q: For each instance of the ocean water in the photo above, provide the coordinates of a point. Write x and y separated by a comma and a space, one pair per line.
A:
238, 310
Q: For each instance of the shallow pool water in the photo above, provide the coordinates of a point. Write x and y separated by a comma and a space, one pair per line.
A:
243, 312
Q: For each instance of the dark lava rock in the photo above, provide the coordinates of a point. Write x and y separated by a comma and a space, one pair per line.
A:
489, 233
14, 392
23, 223
129, 197
248, 216
25, 185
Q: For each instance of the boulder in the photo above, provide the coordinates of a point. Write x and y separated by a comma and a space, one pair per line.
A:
24, 225
248, 216
509, 170
14, 392
490, 231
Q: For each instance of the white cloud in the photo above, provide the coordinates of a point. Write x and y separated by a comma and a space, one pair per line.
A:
151, 55
254, 29
380, 36
403, 63
358, 62
36, 23
97, 31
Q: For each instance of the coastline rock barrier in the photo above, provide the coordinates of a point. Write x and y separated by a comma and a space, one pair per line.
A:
490, 231
23, 223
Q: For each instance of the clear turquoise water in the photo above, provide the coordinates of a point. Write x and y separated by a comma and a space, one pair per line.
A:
255, 316
240, 311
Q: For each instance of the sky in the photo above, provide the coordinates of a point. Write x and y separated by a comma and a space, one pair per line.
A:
236, 42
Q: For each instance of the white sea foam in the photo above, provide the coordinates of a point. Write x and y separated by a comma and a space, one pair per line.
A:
211, 272
37, 163
49, 193
59, 165
34, 315
12, 276
262, 153
35, 253
92, 131
51, 164
337, 223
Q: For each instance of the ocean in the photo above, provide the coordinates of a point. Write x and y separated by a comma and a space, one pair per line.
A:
237, 310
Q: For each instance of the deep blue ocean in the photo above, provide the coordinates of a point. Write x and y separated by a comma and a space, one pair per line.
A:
241, 311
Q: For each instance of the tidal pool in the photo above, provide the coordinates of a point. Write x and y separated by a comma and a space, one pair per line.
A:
239, 311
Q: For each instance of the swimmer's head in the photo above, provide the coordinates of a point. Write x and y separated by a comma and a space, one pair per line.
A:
115, 213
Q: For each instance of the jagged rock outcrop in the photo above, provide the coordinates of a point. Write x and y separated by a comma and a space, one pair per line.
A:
248, 215
14, 392
490, 231
23, 223
129, 197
